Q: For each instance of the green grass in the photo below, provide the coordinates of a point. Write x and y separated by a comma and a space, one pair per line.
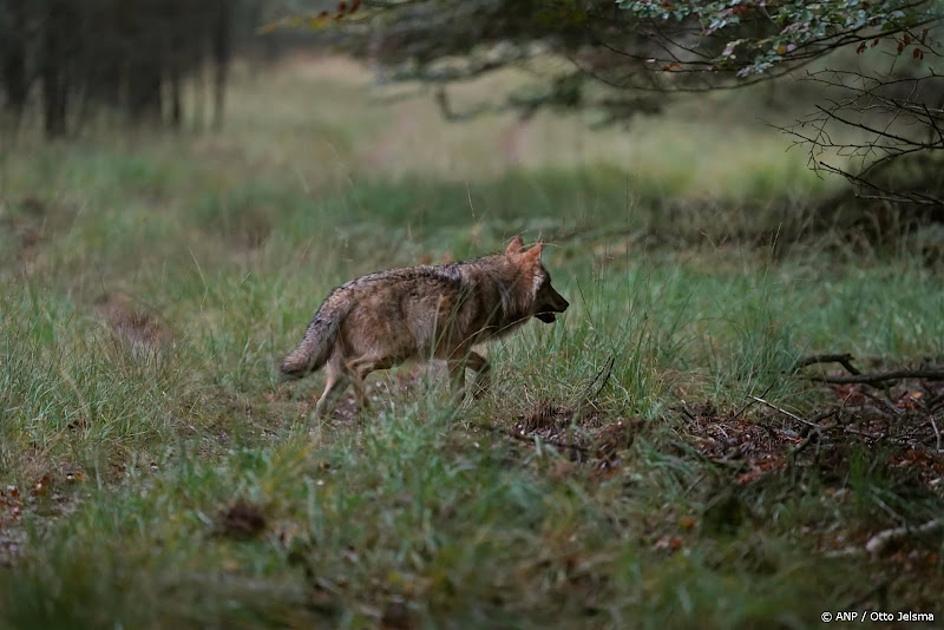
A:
148, 287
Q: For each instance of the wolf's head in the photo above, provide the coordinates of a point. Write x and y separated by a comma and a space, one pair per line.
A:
543, 299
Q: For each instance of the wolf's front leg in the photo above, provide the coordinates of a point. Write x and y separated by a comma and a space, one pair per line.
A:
482, 378
457, 378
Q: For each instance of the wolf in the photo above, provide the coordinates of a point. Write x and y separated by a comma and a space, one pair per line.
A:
440, 312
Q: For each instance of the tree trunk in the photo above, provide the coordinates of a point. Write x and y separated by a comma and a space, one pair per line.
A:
55, 72
176, 106
144, 90
222, 45
15, 80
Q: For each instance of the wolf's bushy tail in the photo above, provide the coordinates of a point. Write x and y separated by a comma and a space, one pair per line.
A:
317, 344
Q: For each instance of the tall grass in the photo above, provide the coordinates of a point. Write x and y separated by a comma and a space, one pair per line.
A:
148, 289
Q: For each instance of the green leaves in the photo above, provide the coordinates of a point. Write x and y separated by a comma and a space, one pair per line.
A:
793, 31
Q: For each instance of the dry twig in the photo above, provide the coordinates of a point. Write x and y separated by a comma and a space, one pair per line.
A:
789, 414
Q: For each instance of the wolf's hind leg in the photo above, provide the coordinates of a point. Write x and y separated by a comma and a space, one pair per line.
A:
360, 390
359, 369
457, 367
336, 381
482, 378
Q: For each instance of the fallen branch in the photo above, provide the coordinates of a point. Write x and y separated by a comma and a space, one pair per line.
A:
877, 543
845, 360
881, 377
881, 540
856, 376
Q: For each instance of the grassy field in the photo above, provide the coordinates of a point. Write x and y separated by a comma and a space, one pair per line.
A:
153, 471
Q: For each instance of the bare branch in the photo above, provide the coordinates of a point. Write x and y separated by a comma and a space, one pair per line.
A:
882, 377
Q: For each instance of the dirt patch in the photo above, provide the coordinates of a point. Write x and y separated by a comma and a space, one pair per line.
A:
49, 497
895, 430
545, 417
583, 434
12, 535
755, 443
396, 616
901, 424
131, 322
242, 521
893, 433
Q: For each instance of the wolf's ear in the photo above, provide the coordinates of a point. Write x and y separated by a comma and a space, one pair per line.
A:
514, 246
534, 252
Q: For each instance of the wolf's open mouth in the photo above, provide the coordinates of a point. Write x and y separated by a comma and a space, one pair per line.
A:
547, 318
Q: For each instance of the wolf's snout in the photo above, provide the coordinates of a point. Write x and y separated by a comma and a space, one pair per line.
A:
558, 303
554, 303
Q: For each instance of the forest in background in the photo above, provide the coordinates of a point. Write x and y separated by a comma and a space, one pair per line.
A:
162, 63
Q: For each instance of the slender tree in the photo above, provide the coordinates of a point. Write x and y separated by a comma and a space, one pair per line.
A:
13, 38
56, 65
222, 51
